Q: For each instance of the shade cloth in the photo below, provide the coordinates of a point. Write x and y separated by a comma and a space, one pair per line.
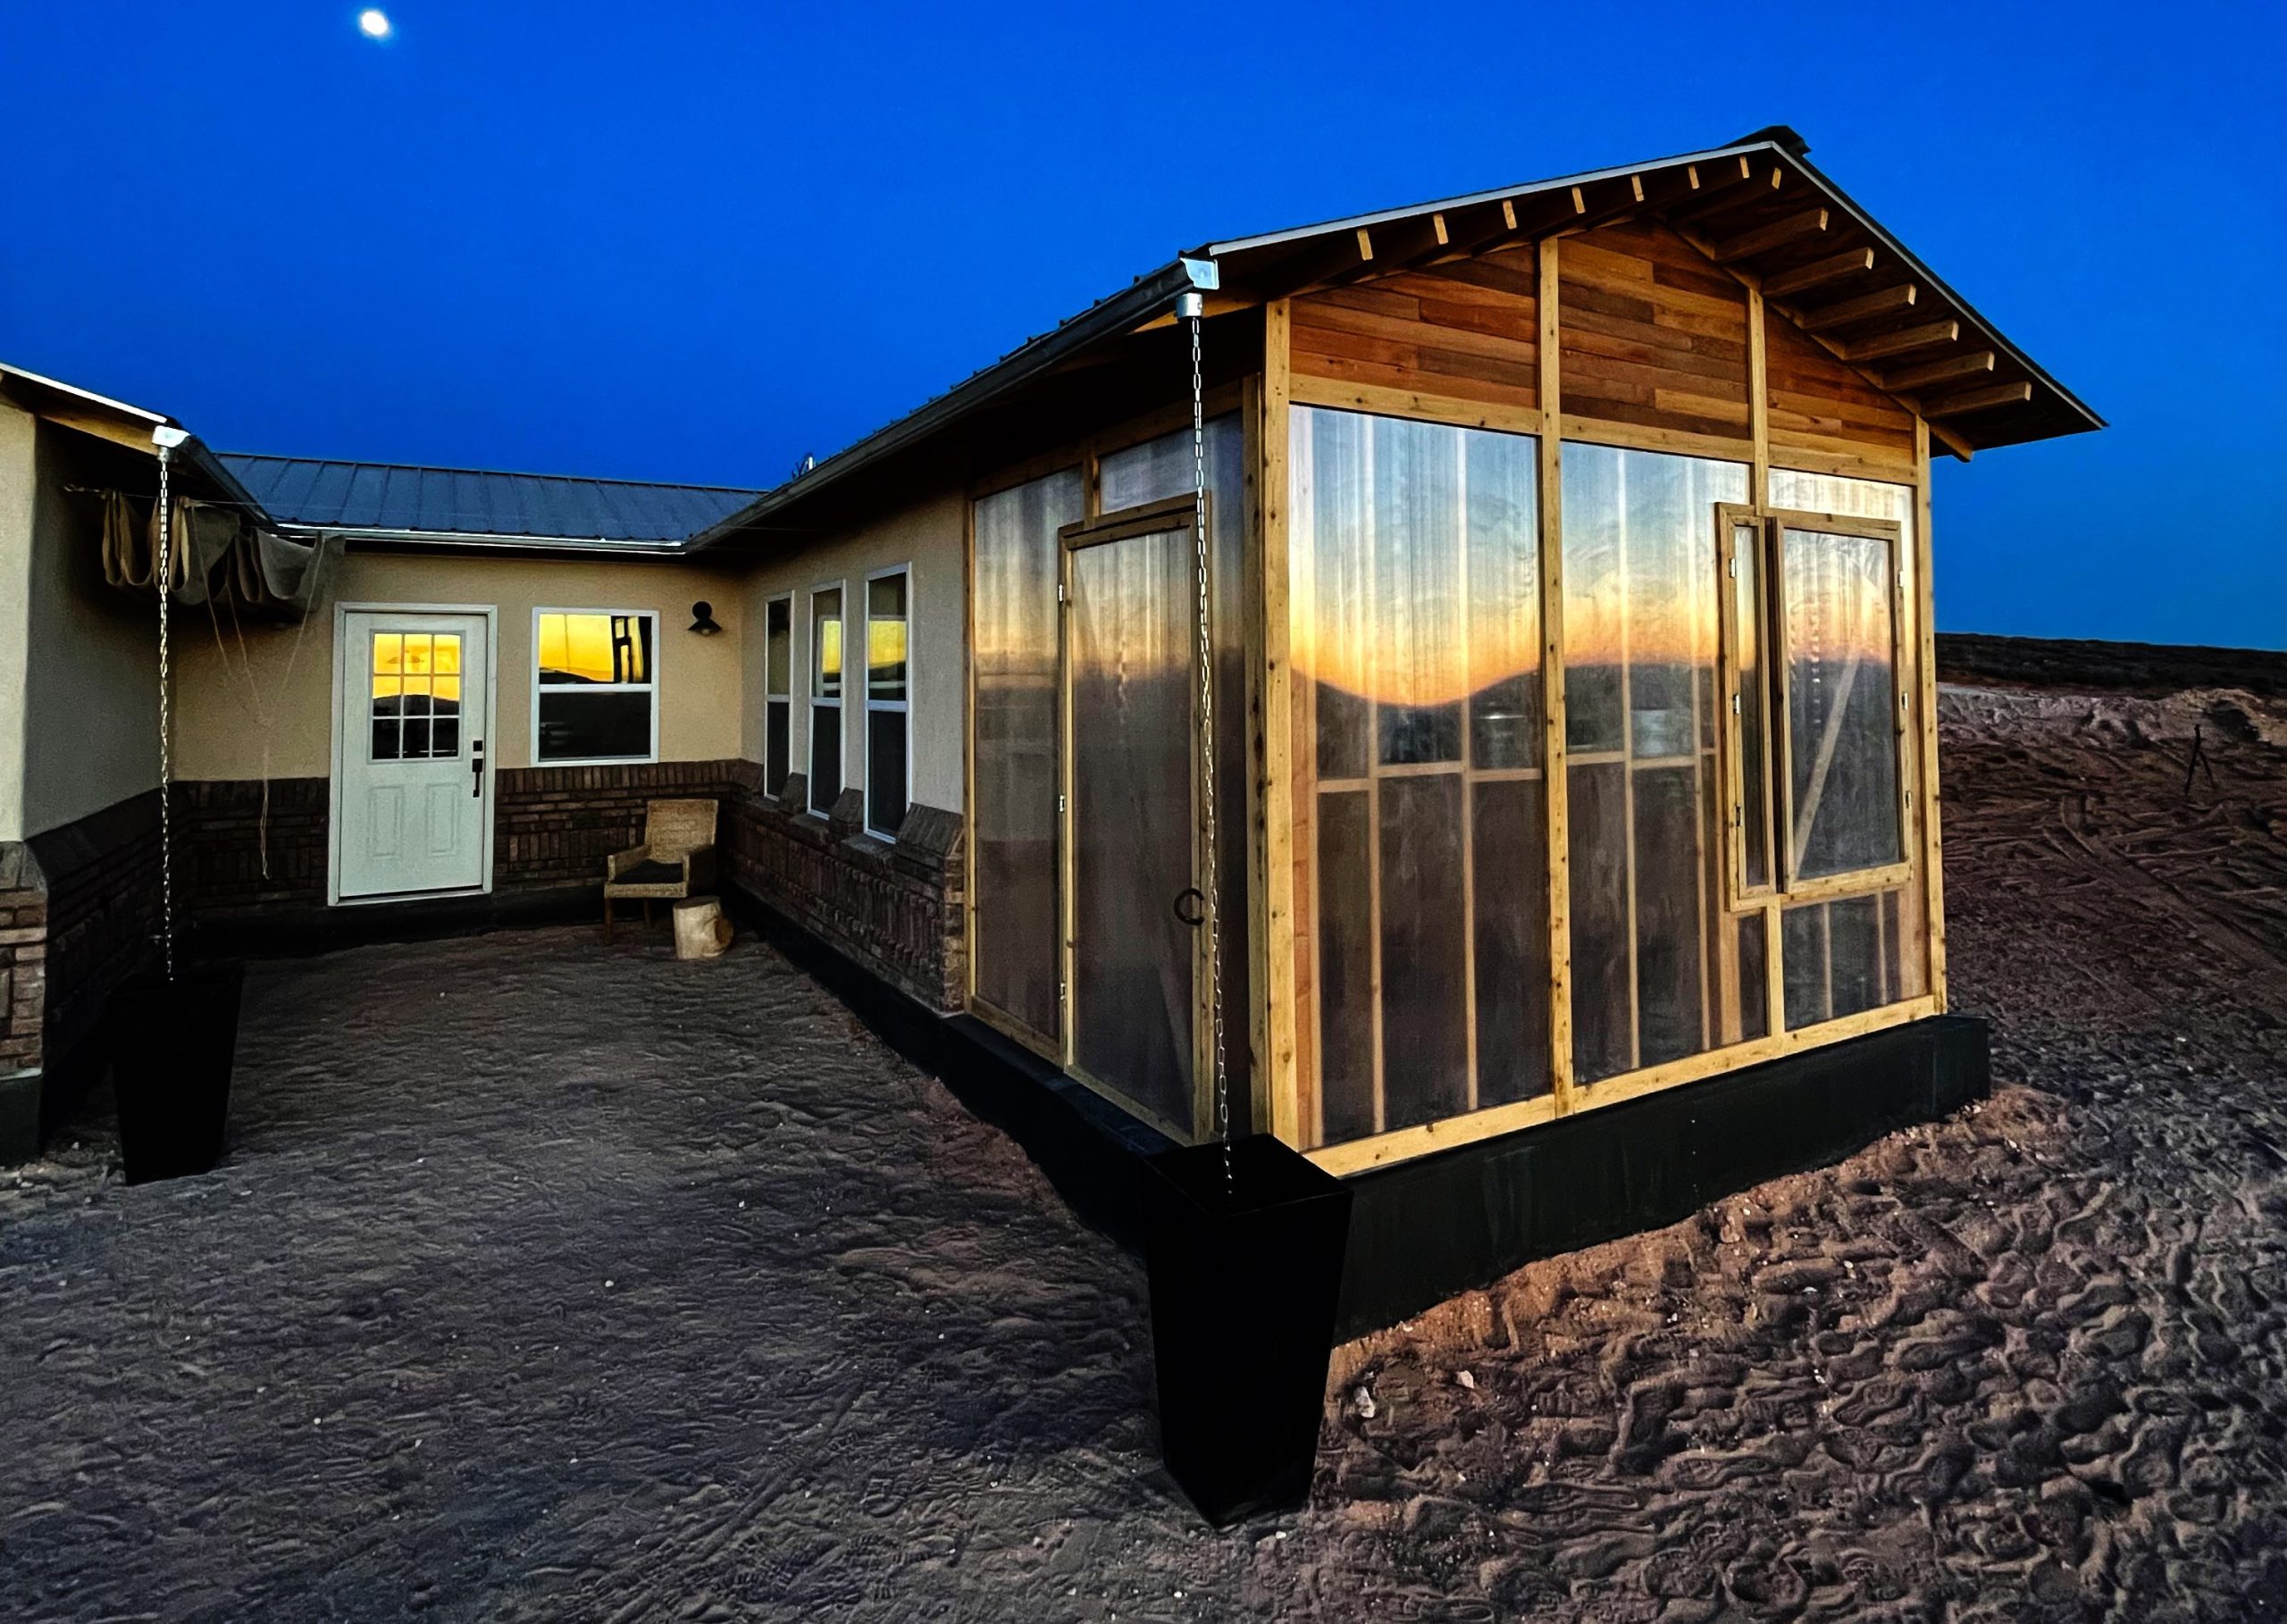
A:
217, 555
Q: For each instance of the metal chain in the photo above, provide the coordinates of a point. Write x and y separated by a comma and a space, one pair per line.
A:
1207, 753
166, 755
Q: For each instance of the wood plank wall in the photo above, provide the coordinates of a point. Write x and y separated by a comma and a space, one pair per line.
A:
1822, 406
1467, 331
1652, 334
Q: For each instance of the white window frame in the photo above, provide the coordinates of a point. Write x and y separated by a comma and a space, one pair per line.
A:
903, 708
793, 648
812, 679
652, 688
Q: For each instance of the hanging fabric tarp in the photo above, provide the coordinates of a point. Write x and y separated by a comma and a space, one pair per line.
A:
215, 553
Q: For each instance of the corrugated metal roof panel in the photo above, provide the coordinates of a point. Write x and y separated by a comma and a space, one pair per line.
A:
414, 501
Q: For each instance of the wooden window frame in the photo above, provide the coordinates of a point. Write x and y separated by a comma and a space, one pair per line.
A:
1785, 888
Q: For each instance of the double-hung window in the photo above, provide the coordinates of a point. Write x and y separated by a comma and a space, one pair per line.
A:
826, 699
888, 676
595, 689
778, 693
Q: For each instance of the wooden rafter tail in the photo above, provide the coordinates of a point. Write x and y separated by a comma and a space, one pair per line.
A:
1865, 307
1779, 233
1978, 400
1820, 272
1905, 341
1914, 378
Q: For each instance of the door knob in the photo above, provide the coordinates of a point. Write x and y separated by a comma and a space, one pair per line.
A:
476, 771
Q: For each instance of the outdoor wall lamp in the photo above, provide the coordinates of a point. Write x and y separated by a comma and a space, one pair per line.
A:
702, 619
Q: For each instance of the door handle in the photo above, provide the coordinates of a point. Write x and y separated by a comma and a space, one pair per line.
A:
476, 771
1191, 906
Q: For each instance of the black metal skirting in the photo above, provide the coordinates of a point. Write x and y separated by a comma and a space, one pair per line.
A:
1428, 1229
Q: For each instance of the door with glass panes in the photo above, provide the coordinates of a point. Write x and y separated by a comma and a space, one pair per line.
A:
414, 799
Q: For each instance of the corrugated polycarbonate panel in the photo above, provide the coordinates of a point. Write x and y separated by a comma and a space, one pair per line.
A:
1134, 746
1015, 951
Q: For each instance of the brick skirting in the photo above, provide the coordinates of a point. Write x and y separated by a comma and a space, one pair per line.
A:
79, 914
235, 855
896, 908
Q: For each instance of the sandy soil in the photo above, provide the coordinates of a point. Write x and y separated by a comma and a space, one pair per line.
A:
553, 1282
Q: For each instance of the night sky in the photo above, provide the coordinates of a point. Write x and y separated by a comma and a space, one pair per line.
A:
698, 241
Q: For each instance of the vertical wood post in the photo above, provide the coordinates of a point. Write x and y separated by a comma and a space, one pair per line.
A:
1933, 868
1270, 891
1774, 972
1552, 687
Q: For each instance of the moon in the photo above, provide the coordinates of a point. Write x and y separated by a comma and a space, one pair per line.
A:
374, 23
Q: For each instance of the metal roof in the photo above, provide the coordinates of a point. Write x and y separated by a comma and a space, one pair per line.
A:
401, 500
1275, 263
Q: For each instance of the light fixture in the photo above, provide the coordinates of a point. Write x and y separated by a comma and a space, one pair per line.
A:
702, 619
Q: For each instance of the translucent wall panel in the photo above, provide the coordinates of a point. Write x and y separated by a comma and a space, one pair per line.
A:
1841, 686
1844, 957
1134, 746
1015, 951
1148, 472
1655, 970
1416, 636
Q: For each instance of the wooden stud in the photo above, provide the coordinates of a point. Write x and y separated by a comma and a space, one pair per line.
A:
1977, 400
1272, 855
1636, 183
1939, 372
1847, 313
1579, 203
1509, 213
1835, 268
1407, 1144
1383, 401
1438, 225
1930, 335
1365, 243
1555, 788
1933, 868
1810, 222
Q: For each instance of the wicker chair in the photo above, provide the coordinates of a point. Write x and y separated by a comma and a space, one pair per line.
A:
676, 859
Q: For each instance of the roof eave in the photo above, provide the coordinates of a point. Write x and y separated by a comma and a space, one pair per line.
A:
1147, 297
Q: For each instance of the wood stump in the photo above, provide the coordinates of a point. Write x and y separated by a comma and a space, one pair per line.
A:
700, 930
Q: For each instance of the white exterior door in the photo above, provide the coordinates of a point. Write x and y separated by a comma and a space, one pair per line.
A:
414, 800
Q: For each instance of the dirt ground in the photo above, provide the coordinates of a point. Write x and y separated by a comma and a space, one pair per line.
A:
554, 1282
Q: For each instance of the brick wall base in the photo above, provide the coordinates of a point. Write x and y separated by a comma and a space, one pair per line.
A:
79, 914
896, 908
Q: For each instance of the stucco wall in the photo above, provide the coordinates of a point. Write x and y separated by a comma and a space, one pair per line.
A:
928, 537
91, 707
19, 442
281, 720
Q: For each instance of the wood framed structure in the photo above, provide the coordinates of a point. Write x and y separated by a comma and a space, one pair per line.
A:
1570, 641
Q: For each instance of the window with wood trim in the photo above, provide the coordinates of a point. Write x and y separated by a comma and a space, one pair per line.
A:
778, 693
889, 675
595, 690
1814, 670
826, 699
